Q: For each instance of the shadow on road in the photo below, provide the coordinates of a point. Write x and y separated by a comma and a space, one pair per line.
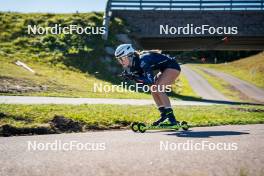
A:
205, 134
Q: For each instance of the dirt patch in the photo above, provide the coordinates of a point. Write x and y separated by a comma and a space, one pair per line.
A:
59, 124
65, 125
95, 127
13, 85
123, 122
240, 94
103, 127
249, 109
8, 130
62, 125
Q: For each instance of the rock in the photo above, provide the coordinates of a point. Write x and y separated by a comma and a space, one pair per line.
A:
123, 38
110, 51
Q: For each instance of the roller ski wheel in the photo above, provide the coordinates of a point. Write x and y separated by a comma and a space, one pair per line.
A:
184, 125
134, 126
142, 127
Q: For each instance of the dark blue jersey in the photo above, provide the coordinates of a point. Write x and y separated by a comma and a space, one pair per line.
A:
147, 63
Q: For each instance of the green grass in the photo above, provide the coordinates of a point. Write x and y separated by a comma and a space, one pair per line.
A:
64, 82
183, 87
250, 69
107, 115
60, 82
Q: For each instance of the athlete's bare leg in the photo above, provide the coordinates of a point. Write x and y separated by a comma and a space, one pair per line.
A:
166, 78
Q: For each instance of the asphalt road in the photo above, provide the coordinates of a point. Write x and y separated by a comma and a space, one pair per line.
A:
128, 153
78, 101
246, 88
201, 86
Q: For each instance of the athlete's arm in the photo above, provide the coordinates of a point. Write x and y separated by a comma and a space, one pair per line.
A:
148, 76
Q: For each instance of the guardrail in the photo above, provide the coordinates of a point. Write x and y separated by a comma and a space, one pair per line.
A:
186, 5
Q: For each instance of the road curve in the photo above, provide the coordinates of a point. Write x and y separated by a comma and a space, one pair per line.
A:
127, 153
201, 86
246, 88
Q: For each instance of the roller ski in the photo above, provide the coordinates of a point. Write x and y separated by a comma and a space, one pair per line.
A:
167, 121
142, 127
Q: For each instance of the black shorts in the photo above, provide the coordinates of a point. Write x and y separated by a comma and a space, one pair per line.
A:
171, 64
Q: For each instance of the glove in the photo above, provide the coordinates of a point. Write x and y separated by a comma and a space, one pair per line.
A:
127, 76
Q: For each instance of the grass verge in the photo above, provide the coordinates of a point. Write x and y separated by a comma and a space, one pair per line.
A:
250, 69
105, 116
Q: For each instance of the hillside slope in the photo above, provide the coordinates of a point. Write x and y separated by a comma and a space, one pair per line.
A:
65, 65
250, 69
